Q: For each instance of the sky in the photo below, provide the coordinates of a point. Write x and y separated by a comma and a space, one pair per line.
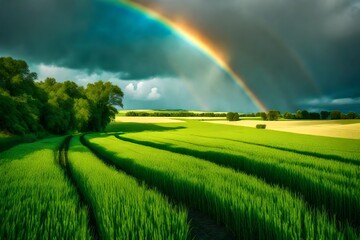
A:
290, 54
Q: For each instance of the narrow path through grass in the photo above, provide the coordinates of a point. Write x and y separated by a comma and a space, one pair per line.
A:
64, 162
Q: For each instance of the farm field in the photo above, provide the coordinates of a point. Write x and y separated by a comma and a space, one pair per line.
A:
146, 180
37, 199
179, 120
7, 141
329, 128
147, 119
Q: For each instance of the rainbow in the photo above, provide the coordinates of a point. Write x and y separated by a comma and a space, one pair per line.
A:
196, 42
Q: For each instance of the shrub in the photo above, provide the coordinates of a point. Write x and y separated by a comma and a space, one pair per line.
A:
273, 115
260, 126
232, 116
335, 115
263, 115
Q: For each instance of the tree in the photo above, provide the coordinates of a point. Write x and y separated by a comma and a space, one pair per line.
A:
229, 116
103, 98
58, 114
82, 114
289, 115
273, 115
263, 115
324, 115
298, 114
314, 115
335, 115
20, 98
302, 114
232, 116
351, 115
26, 106
15, 77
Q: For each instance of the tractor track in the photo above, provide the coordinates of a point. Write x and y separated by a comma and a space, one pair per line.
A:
202, 227
84, 202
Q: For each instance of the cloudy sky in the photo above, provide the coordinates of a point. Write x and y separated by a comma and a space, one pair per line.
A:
291, 54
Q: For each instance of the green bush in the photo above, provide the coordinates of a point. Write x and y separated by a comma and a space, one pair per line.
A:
232, 116
261, 126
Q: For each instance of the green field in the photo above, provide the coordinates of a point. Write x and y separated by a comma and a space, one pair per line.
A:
146, 181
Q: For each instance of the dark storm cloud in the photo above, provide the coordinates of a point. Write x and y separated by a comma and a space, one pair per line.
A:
93, 35
286, 50
41, 29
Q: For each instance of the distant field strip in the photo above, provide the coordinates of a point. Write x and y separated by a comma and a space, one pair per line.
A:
123, 208
249, 207
147, 119
322, 182
329, 128
346, 150
36, 199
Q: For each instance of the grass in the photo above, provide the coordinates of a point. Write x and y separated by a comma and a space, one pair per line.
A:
325, 147
36, 199
123, 208
323, 183
258, 184
325, 171
9, 141
246, 205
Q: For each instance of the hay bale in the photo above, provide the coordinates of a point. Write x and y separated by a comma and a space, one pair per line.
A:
260, 126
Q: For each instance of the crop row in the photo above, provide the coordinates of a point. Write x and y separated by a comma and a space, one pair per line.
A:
322, 182
123, 208
245, 204
36, 199
346, 150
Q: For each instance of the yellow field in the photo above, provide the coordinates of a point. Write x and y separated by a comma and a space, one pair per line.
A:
146, 119
329, 128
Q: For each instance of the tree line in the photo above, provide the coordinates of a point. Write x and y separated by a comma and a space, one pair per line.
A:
173, 114
273, 115
29, 106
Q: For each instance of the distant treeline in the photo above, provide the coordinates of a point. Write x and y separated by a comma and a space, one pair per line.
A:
27, 106
173, 114
271, 115
304, 115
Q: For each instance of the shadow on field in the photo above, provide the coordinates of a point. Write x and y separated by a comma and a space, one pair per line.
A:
19, 151
139, 127
9, 142
224, 159
272, 174
202, 226
301, 152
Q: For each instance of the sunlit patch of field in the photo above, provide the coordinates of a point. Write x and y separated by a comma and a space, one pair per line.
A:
329, 128
147, 119
201, 118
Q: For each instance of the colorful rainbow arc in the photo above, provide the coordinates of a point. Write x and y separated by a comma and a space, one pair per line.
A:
197, 43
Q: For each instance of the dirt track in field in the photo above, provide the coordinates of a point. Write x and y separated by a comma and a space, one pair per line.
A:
320, 128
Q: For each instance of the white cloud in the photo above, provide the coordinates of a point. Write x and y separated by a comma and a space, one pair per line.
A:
345, 101
154, 94
135, 90
81, 77
332, 102
142, 90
